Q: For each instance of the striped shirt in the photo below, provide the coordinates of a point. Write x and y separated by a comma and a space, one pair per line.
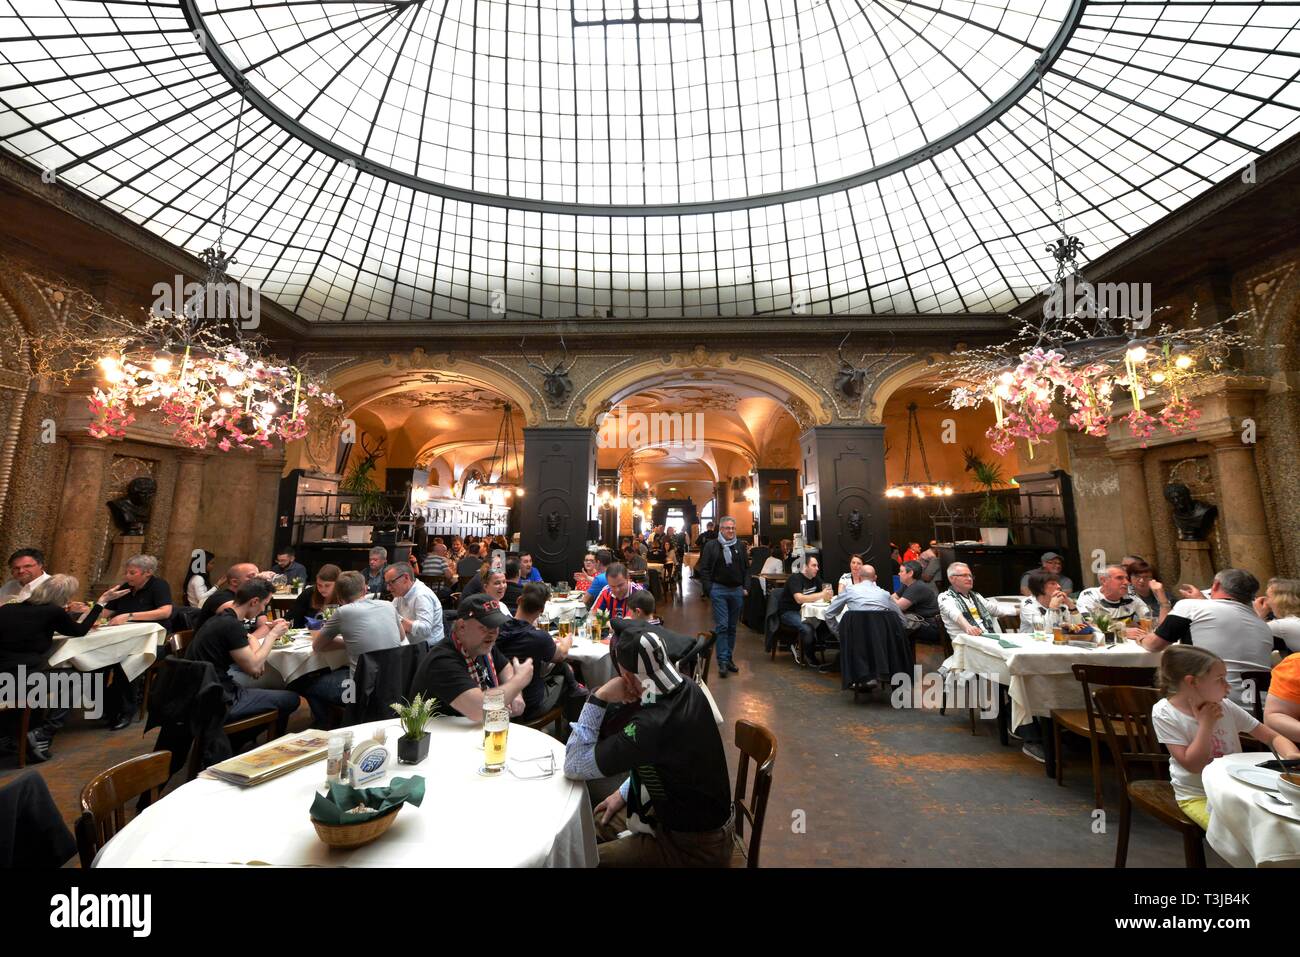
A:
608, 601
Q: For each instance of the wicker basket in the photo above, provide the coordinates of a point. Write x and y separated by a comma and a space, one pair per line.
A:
355, 835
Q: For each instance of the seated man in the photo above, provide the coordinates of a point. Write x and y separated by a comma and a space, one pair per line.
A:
27, 573
375, 570
677, 798
641, 617
1053, 564
918, 597
1282, 707
514, 587
287, 565
1113, 598
1225, 624
150, 599
520, 638
1042, 609
358, 626
436, 564
469, 566
604, 558
225, 639
865, 595
418, 609
224, 596
527, 573
633, 559
963, 610
802, 588
613, 597
457, 671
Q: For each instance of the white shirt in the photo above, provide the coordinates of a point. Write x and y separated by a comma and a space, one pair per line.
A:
1174, 727
772, 566
15, 591
421, 607
957, 611
1229, 629
1128, 609
1288, 629
197, 592
1034, 617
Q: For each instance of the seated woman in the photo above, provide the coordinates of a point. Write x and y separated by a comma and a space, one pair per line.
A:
920, 598
1280, 607
1282, 706
27, 630
198, 586
1041, 610
313, 599
854, 575
582, 579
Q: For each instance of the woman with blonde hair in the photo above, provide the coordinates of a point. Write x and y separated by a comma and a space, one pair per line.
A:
1279, 606
27, 630
1197, 722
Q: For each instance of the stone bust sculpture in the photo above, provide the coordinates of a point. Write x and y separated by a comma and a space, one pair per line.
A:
132, 510
1193, 518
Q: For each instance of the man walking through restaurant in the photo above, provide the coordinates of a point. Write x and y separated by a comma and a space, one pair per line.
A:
722, 569
676, 800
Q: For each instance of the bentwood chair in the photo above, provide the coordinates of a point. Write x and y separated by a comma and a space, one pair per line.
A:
104, 799
1254, 686
757, 744
695, 663
1126, 716
1084, 721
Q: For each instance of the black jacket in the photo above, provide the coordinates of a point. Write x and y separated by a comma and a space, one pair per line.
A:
712, 568
188, 701
383, 679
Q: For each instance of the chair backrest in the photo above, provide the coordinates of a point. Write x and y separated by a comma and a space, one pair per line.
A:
758, 744
1125, 713
695, 663
104, 799
433, 581
1254, 685
178, 641
1106, 675
382, 679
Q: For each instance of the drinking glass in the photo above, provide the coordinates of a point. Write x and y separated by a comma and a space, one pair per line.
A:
496, 728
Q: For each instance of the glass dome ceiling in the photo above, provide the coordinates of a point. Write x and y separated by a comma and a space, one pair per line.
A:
444, 159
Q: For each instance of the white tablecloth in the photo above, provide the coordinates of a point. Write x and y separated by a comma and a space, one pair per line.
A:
465, 820
556, 607
594, 660
134, 646
1037, 673
299, 659
1241, 832
814, 609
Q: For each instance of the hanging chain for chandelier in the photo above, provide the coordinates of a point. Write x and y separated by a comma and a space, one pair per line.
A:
907, 487
498, 486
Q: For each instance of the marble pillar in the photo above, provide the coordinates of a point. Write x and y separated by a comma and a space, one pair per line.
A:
80, 506
1139, 534
1242, 517
186, 498
1194, 566
266, 501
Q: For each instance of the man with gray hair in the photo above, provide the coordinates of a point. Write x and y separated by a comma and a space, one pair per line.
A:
149, 600
418, 609
865, 595
723, 571
375, 573
1225, 624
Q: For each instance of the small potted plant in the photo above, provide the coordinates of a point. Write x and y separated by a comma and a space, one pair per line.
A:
992, 516
413, 745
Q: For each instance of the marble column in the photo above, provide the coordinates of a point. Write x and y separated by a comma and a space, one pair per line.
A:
186, 498
80, 507
266, 502
1139, 534
1241, 508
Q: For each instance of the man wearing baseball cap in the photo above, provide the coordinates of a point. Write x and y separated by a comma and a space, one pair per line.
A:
1051, 563
459, 670
676, 800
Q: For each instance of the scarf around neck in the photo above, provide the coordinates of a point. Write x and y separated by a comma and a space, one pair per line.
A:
971, 598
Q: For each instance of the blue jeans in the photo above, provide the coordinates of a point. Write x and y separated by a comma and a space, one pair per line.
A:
325, 691
806, 630
727, 602
251, 701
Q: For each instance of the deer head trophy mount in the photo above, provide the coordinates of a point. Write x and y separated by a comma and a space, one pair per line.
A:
555, 378
851, 380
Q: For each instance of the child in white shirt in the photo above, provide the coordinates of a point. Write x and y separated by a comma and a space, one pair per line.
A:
1198, 723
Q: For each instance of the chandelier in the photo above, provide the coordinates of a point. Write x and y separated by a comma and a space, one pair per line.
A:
1091, 352
496, 488
928, 488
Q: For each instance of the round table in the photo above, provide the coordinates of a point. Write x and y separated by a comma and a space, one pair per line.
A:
1242, 832
465, 820
594, 660
298, 659
134, 646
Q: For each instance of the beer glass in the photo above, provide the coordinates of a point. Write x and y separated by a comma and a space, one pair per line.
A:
566, 626
496, 728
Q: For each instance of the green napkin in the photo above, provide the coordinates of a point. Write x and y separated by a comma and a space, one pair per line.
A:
332, 808
1003, 642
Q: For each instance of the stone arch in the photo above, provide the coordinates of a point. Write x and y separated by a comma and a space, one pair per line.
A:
801, 396
900, 378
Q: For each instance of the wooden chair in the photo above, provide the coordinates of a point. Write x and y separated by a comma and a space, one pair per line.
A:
553, 719
758, 744
1084, 721
176, 644
104, 799
1126, 716
24, 726
696, 662
434, 582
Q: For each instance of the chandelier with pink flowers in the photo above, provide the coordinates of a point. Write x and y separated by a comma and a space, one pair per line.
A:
1090, 360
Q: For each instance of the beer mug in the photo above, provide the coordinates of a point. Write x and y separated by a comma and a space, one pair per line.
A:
496, 728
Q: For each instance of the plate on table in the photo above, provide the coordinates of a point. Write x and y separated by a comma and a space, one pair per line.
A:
1288, 811
1256, 776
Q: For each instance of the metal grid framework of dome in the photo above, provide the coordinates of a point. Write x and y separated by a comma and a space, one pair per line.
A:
446, 159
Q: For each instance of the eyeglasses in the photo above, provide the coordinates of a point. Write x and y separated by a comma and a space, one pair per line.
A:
533, 769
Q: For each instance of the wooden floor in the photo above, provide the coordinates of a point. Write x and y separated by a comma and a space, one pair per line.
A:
861, 784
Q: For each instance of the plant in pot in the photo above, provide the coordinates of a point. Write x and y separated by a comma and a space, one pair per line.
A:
413, 745
991, 513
